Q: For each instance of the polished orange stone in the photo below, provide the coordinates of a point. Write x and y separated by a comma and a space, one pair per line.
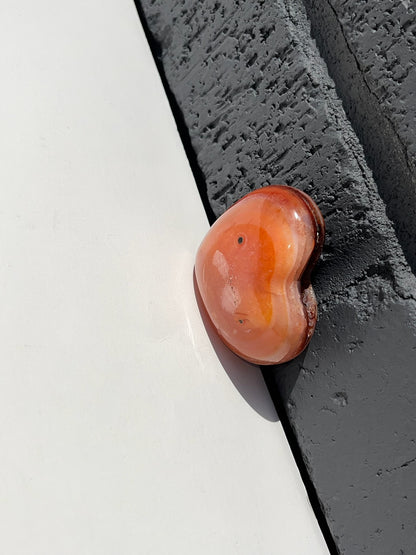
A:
253, 273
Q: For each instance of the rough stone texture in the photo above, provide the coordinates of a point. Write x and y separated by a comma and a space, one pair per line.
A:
370, 49
353, 409
260, 108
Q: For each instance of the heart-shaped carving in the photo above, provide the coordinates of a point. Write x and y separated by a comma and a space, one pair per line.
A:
253, 273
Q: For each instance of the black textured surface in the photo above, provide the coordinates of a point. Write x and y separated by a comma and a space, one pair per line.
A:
370, 49
259, 108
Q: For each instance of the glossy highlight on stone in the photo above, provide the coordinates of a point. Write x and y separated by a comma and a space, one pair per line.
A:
253, 273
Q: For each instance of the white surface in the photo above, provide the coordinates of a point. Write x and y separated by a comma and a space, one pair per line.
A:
120, 430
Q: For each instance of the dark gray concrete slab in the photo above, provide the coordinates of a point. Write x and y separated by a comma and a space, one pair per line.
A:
256, 105
351, 400
370, 49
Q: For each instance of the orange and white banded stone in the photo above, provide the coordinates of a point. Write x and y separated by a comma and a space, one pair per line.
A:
253, 273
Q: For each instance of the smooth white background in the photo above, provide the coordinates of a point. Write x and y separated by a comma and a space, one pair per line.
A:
122, 430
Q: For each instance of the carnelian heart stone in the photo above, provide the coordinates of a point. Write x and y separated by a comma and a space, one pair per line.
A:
253, 273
